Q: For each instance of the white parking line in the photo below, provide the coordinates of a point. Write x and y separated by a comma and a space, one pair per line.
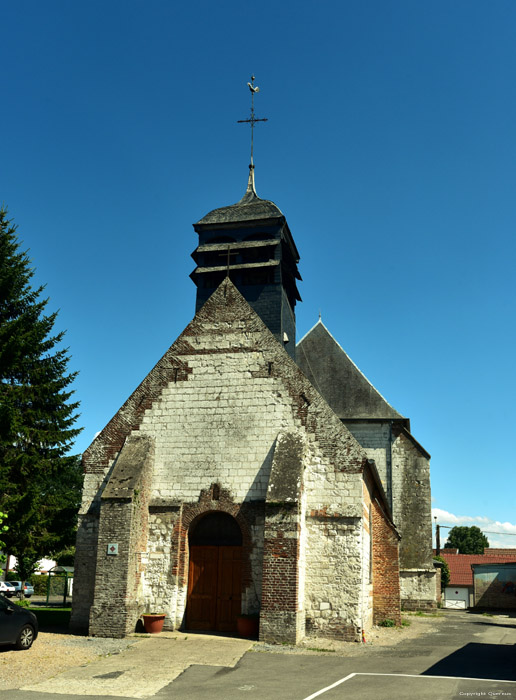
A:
402, 675
333, 685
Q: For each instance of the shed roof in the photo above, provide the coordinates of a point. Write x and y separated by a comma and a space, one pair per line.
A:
461, 573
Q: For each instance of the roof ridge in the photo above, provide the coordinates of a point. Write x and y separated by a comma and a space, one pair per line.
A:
319, 322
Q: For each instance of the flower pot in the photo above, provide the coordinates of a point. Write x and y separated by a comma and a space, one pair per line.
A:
248, 626
153, 623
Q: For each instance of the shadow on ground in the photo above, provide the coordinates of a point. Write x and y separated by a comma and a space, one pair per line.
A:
488, 661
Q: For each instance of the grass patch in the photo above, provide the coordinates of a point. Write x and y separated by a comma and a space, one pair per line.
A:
322, 650
405, 623
387, 623
52, 617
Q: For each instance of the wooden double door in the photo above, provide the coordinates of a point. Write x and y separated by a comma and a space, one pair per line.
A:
214, 587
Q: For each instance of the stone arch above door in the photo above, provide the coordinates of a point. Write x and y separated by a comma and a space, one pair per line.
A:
215, 498
215, 528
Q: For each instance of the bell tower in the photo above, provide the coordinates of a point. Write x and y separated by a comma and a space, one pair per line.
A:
250, 242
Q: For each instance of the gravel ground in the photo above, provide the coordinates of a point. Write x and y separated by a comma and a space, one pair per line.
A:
415, 625
51, 654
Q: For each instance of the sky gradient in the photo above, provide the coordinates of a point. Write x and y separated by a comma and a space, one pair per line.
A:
390, 148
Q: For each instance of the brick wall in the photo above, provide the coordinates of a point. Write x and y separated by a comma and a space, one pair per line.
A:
386, 595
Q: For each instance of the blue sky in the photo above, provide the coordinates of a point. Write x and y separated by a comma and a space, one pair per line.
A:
390, 147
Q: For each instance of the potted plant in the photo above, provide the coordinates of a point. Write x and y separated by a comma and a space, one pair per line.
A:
248, 625
153, 622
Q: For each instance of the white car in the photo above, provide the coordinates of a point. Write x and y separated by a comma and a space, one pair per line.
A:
7, 589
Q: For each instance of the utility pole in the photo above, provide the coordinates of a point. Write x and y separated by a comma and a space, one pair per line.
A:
437, 538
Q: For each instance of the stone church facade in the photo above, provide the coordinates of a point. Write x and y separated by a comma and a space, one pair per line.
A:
227, 483
402, 463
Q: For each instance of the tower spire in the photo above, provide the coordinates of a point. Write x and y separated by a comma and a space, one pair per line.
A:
252, 121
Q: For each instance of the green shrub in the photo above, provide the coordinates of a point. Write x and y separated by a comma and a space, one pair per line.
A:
387, 623
25, 603
40, 584
445, 571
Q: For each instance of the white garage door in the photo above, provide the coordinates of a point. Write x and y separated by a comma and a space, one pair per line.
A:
457, 598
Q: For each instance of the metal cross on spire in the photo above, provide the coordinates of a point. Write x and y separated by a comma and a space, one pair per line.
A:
252, 121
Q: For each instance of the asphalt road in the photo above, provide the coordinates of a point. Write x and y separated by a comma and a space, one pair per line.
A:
469, 656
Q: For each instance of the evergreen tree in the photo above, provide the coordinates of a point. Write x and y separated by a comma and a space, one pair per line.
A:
39, 481
468, 540
3, 528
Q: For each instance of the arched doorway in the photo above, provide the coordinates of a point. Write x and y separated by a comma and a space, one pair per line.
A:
215, 574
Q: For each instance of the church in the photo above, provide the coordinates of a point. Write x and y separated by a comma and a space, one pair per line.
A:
250, 475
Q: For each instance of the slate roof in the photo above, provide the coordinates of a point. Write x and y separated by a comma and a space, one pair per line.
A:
461, 573
249, 208
349, 393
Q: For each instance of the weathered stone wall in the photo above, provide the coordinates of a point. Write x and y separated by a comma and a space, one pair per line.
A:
404, 469
375, 439
122, 540
219, 427
86, 548
412, 503
412, 514
366, 603
84, 572
333, 551
159, 591
418, 589
213, 408
333, 576
282, 617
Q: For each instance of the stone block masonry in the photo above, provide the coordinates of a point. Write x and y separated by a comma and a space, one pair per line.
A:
226, 422
122, 541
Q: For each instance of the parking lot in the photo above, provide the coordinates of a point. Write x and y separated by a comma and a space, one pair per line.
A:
466, 656
456, 655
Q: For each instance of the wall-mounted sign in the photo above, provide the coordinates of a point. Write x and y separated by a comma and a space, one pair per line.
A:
112, 548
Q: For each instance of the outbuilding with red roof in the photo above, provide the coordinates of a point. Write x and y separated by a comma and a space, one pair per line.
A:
459, 593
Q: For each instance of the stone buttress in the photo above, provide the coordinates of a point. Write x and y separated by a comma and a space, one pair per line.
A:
227, 426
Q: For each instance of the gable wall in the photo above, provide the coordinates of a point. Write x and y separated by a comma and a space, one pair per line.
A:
412, 513
213, 407
375, 439
218, 427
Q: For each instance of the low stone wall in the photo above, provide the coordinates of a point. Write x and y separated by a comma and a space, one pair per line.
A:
418, 589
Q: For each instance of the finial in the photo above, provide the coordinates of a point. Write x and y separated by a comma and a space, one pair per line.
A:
250, 183
252, 121
319, 314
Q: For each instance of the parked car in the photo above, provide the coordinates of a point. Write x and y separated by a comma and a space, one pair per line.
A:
18, 626
28, 589
7, 588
